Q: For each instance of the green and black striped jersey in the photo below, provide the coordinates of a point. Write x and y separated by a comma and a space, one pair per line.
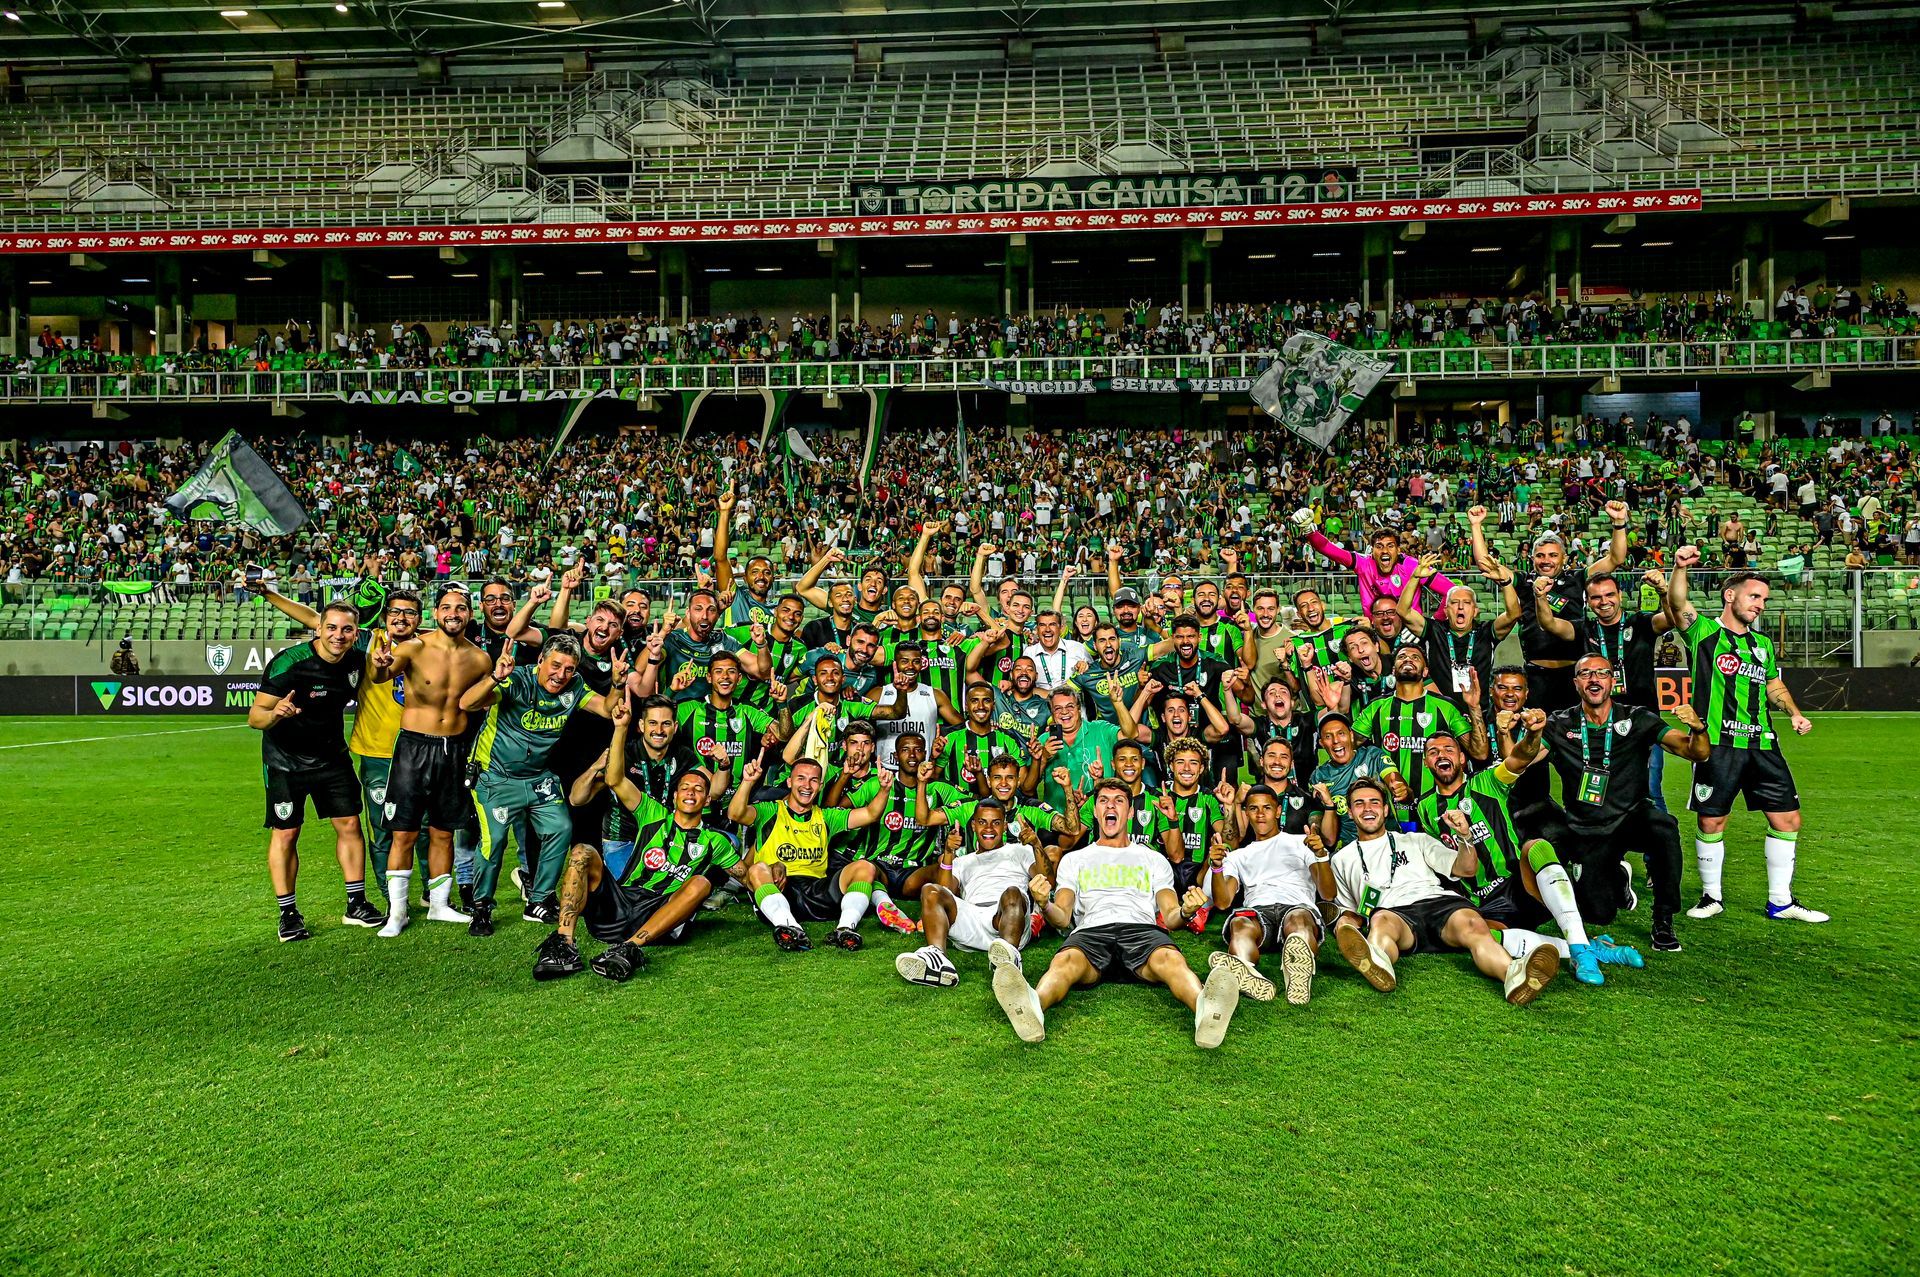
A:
1485, 799
1026, 822
789, 658
946, 670
1195, 817
1730, 676
1221, 640
1401, 729
1325, 645
665, 855
897, 835
723, 736
964, 758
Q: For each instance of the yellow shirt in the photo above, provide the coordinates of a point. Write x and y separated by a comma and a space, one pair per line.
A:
376, 723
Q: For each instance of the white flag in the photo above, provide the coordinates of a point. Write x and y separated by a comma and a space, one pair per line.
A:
1315, 385
797, 446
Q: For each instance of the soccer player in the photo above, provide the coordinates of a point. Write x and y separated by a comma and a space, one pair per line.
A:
796, 874
1381, 575
428, 783
299, 712
1186, 817
926, 708
676, 861
1116, 901
1401, 723
376, 724
721, 730
527, 710
820, 720
1113, 676
1348, 759
978, 899
1320, 634
1518, 882
1393, 903
1736, 686
692, 649
901, 849
778, 643
1280, 879
748, 602
651, 769
1276, 772
1596, 748
965, 757
1030, 823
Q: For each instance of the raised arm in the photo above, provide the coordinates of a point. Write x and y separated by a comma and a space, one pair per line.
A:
487, 690
976, 581
1115, 553
808, 586
1510, 612
916, 562
563, 601
1409, 612
520, 625
1328, 550
722, 541
1680, 612
740, 806
293, 609
861, 817
1477, 526
1616, 556
1693, 744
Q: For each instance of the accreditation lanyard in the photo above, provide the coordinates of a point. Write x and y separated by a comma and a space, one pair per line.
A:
1462, 680
1593, 781
1617, 657
1370, 897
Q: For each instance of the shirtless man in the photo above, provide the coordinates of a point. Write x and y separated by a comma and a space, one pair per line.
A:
428, 781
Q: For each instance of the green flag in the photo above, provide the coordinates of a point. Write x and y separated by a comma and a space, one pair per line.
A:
236, 486
406, 465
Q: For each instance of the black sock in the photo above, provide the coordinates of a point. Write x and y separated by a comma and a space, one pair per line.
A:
356, 891
286, 903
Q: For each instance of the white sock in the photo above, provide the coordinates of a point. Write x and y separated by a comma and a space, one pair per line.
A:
1710, 854
880, 897
1519, 944
398, 881
776, 910
1556, 892
438, 889
1780, 858
853, 906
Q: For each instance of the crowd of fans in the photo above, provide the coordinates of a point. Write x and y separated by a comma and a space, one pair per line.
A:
1141, 328
1047, 502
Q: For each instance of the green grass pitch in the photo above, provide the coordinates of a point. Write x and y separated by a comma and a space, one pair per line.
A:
182, 1094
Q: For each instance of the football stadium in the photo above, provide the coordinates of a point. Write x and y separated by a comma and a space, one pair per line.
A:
926, 636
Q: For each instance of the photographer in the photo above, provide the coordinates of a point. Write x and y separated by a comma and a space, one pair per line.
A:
125, 664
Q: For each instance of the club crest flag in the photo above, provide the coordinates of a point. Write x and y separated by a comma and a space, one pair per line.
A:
236, 486
1315, 385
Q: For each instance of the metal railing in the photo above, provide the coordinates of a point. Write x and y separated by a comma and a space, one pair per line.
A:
1053, 375
1815, 617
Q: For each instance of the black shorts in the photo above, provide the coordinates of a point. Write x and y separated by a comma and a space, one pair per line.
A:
1593, 857
1427, 919
428, 784
334, 788
816, 899
613, 912
893, 874
1272, 918
1761, 774
1118, 950
1509, 904
590, 821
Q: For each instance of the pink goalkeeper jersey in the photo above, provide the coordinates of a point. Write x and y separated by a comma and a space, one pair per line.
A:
1375, 584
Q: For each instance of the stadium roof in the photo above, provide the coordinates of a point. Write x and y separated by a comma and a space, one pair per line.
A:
80, 33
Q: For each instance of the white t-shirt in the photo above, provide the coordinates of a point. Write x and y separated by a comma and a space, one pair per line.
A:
984, 875
1403, 868
1113, 885
1056, 667
1274, 871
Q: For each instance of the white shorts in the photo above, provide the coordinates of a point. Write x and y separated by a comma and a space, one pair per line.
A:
973, 926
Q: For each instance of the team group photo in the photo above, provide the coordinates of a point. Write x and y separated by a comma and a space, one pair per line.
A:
1063, 639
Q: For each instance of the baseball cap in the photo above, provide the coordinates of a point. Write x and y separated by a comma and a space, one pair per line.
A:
1126, 595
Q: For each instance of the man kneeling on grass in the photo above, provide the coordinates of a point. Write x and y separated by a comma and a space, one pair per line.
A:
979, 901
1392, 901
1117, 896
647, 899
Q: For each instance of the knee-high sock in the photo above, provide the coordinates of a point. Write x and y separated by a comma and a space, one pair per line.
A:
1519, 943
774, 907
854, 903
1780, 857
1556, 890
1710, 853
397, 883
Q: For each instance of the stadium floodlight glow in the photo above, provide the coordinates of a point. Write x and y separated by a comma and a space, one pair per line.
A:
1332, 254
646, 270
465, 274
1066, 261
1836, 237
1143, 259
768, 270
258, 279
135, 279
399, 277
589, 272
993, 263
1399, 252
40, 283
533, 274
1608, 244
551, 4
233, 13
12, 16
1487, 248
1656, 243
1260, 257
339, 8
919, 265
